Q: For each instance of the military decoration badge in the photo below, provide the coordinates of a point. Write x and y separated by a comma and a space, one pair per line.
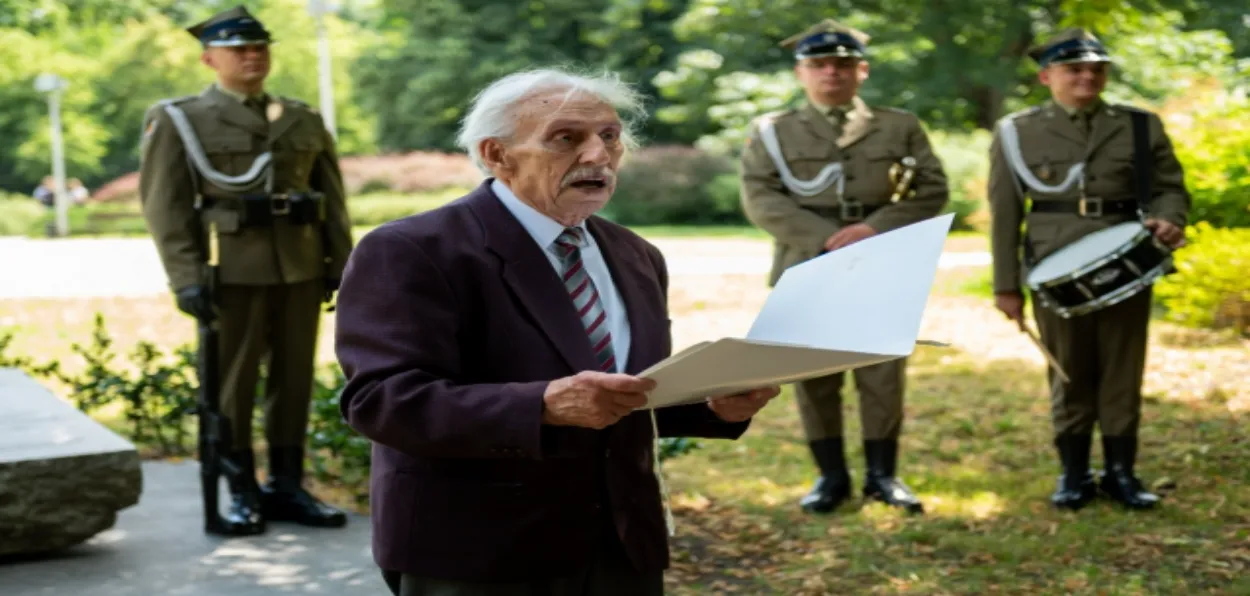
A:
273, 111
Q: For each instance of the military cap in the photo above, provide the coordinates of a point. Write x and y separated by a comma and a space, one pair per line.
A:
1070, 45
233, 27
827, 38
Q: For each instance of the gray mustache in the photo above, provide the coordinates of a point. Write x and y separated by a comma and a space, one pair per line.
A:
608, 176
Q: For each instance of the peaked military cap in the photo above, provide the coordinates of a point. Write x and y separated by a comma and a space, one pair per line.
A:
1070, 45
229, 28
828, 38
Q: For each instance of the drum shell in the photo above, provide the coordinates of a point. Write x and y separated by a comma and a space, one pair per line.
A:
1108, 280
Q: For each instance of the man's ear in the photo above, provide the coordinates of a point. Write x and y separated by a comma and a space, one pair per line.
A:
206, 59
495, 155
863, 71
1043, 76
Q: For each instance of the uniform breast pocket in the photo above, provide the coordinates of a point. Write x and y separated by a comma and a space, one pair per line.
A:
231, 154
807, 160
872, 180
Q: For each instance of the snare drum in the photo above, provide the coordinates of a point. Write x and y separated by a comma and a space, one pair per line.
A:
1101, 269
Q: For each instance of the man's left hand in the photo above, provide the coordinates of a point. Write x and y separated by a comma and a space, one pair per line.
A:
1166, 231
849, 235
741, 406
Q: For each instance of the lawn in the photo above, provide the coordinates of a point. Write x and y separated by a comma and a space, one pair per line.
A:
976, 448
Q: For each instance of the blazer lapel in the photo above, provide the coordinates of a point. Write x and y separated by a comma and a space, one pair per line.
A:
860, 123
532, 279
627, 269
231, 110
1107, 124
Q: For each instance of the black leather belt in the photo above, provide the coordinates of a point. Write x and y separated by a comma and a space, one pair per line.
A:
1087, 207
264, 209
846, 211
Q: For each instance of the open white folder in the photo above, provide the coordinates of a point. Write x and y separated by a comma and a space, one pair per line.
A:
856, 306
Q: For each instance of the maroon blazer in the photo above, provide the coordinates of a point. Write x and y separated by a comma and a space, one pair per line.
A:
450, 325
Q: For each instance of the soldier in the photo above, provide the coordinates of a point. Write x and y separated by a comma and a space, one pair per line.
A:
1103, 353
823, 176
257, 175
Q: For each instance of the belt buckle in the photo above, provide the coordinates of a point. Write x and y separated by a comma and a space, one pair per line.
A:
280, 205
1086, 211
851, 211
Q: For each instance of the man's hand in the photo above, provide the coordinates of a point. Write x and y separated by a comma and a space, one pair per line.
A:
195, 301
849, 235
332, 286
1166, 231
741, 406
1010, 304
593, 399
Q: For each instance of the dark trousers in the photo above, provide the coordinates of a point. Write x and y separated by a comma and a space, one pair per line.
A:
1104, 354
881, 387
281, 321
609, 574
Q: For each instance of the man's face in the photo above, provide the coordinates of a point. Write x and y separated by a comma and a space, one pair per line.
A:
831, 77
1077, 83
564, 156
239, 65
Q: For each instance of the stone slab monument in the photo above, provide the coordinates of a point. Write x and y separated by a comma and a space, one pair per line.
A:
63, 476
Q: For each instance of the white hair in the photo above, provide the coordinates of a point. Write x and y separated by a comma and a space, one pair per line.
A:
493, 114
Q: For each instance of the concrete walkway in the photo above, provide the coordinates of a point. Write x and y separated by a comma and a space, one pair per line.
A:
125, 267
158, 548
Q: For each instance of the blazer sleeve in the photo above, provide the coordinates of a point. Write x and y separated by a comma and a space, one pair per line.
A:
396, 340
690, 420
1006, 208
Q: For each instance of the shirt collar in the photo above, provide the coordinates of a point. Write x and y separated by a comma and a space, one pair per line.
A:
541, 228
238, 96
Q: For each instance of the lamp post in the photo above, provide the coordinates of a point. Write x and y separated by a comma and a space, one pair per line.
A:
53, 85
319, 9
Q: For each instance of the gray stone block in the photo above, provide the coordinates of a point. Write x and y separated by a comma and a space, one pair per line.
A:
63, 476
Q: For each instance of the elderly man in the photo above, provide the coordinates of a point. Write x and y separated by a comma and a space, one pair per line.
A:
490, 348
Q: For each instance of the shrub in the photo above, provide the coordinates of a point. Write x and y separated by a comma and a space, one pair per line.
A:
676, 185
20, 215
378, 208
1209, 132
418, 171
1210, 288
965, 158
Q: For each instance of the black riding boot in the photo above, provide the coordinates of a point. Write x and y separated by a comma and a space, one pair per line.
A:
1118, 482
881, 456
1076, 487
244, 516
834, 484
285, 499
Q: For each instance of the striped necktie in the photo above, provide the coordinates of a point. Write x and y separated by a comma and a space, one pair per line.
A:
585, 296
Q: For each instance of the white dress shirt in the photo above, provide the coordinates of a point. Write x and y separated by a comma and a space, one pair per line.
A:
544, 231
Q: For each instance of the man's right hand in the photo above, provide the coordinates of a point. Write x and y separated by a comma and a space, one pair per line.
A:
195, 301
593, 399
1010, 304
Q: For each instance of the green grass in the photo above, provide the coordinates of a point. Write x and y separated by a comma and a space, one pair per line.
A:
976, 448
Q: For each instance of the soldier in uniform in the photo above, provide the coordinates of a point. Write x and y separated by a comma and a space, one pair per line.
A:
1039, 153
822, 176
257, 175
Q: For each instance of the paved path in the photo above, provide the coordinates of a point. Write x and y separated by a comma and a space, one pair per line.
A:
157, 548
121, 267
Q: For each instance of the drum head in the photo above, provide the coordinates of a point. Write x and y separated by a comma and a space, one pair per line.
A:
1086, 250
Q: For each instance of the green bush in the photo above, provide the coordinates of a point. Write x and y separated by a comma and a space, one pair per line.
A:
20, 215
1211, 288
676, 185
378, 208
1212, 141
965, 158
